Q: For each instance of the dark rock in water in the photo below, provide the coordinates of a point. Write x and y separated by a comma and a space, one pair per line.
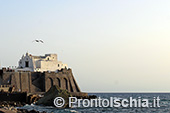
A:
51, 94
92, 96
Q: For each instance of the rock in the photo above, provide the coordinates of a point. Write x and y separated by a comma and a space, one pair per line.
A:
5, 108
51, 94
92, 96
33, 111
13, 109
21, 111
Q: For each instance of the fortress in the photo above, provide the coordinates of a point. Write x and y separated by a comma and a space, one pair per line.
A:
36, 74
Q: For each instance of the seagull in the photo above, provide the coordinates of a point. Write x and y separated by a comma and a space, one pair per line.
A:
38, 41
41, 41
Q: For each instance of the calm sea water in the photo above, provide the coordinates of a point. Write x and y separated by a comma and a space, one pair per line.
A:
164, 104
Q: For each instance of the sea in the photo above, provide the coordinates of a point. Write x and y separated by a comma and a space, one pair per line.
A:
164, 104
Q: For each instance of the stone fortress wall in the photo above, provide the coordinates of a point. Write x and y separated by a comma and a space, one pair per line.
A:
34, 82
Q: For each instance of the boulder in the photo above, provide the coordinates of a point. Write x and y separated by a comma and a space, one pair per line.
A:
51, 94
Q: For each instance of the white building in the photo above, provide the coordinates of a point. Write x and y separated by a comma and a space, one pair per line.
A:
48, 62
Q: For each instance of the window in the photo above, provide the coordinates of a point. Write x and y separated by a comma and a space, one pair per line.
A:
66, 83
59, 84
26, 64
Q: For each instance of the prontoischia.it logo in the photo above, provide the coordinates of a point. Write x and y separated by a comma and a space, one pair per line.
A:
111, 102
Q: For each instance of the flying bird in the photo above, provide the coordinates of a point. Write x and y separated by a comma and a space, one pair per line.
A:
41, 41
38, 41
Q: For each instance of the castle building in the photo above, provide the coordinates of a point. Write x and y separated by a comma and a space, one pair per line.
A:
49, 62
37, 74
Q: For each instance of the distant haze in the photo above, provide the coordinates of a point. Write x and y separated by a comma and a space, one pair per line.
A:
111, 45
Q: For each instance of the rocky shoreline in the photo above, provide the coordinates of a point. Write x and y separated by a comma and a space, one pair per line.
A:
11, 107
15, 102
15, 110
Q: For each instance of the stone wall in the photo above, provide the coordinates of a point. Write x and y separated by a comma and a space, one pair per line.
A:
33, 82
64, 79
20, 80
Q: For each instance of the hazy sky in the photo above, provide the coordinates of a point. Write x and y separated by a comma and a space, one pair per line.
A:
111, 45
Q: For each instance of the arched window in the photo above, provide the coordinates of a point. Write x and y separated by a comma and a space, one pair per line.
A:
59, 83
66, 83
51, 82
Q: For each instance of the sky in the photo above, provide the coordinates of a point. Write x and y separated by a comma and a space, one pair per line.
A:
110, 45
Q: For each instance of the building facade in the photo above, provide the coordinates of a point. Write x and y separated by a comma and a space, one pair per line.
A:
49, 62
